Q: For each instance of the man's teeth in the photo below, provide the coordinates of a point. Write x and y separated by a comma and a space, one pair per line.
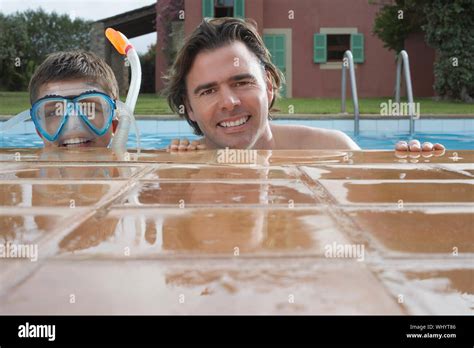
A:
75, 141
238, 122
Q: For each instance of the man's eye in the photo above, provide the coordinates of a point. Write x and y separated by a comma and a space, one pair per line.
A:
242, 83
207, 91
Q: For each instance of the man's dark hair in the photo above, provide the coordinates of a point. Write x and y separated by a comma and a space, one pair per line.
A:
210, 35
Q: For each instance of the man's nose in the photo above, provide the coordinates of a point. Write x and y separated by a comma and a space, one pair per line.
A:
228, 99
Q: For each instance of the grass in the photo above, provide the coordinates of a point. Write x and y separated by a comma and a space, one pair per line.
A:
12, 103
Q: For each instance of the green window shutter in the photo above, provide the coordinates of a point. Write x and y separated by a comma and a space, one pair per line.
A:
239, 8
320, 52
357, 47
268, 41
207, 8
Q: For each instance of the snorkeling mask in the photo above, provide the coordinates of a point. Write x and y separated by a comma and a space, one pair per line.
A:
54, 115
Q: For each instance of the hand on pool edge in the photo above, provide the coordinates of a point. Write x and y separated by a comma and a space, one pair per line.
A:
402, 148
183, 145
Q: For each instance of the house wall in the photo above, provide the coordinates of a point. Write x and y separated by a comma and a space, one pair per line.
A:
375, 77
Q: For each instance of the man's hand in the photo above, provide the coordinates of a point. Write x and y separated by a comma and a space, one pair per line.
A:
414, 149
183, 145
415, 146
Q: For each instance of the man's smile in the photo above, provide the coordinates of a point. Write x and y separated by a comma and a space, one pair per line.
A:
234, 124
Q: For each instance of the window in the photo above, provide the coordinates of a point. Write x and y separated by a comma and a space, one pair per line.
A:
223, 8
337, 44
330, 47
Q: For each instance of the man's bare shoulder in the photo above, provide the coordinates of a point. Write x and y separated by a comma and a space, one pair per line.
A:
303, 137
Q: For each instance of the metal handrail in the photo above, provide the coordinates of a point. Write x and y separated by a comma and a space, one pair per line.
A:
355, 100
403, 58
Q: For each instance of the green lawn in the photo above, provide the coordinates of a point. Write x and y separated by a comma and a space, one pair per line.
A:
149, 104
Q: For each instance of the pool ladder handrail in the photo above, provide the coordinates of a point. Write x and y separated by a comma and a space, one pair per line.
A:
355, 100
402, 57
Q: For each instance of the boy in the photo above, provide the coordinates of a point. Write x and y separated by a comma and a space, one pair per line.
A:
73, 96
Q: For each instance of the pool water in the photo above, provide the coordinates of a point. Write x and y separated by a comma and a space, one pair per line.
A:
455, 134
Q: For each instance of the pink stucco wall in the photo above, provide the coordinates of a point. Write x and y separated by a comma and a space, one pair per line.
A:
375, 77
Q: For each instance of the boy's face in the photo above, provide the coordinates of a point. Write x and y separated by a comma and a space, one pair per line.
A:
75, 132
228, 96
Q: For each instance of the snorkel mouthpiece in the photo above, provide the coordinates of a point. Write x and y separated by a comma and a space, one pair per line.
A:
118, 41
124, 47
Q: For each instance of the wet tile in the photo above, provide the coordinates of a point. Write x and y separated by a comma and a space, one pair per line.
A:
431, 231
128, 233
374, 192
57, 195
436, 292
458, 156
200, 172
27, 227
387, 172
218, 193
57, 155
69, 172
292, 157
154, 287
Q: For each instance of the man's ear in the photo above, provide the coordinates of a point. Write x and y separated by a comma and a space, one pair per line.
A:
189, 110
269, 86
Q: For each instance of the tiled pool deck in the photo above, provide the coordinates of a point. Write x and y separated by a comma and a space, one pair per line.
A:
184, 234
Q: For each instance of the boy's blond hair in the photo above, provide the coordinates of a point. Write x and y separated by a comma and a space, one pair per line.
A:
69, 65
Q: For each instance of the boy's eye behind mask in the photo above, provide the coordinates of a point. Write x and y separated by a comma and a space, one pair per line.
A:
72, 121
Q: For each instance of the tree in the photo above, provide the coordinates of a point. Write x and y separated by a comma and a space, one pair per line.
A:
447, 25
28, 37
147, 62
13, 45
449, 30
394, 22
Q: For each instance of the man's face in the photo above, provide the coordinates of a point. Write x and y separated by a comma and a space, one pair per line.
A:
228, 96
75, 133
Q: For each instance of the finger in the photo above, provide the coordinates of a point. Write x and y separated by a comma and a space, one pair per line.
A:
414, 145
174, 147
175, 142
184, 142
191, 147
438, 146
201, 147
401, 146
440, 152
401, 154
427, 146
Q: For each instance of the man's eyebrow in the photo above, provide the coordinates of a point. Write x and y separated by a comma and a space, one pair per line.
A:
242, 77
204, 86
232, 78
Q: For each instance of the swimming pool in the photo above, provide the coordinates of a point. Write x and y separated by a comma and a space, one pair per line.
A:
455, 134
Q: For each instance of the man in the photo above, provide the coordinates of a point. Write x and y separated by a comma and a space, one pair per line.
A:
224, 84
